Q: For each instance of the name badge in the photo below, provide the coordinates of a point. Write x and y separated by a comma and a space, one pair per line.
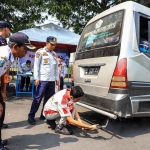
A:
45, 54
46, 61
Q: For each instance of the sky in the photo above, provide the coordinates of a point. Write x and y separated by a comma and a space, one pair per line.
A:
50, 19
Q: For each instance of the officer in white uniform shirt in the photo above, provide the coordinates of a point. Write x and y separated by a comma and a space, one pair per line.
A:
23, 69
45, 75
5, 29
17, 47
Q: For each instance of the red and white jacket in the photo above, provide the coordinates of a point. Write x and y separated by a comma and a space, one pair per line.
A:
60, 103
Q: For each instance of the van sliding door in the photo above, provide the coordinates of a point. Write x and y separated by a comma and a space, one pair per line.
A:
140, 77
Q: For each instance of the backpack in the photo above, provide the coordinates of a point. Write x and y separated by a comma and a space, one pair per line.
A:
10, 90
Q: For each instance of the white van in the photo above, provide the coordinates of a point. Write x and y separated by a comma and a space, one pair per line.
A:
112, 63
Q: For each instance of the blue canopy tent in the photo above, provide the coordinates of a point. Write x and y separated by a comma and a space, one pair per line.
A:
66, 40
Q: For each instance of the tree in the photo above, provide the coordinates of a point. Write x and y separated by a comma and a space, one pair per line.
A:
76, 13
23, 14
146, 3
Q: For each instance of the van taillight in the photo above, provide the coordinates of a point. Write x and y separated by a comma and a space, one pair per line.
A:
119, 79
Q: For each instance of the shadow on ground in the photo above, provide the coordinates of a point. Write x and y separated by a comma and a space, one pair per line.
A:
38, 141
130, 127
25, 124
78, 132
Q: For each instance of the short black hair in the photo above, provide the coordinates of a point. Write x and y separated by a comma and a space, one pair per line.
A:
76, 91
28, 62
60, 57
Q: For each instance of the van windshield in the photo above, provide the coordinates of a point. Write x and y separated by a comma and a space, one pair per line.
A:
103, 32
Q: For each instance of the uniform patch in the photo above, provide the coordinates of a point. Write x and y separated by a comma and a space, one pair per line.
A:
45, 54
46, 61
37, 54
2, 62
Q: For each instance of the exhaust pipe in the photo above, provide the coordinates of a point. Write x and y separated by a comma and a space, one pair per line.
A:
112, 116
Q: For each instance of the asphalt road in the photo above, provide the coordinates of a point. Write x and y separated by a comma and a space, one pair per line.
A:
131, 134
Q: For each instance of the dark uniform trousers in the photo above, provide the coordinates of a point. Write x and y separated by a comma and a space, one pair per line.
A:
61, 83
23, 79
3, 114
46, 89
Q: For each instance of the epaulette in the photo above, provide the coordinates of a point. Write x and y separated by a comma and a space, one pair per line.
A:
39, 50
37, 54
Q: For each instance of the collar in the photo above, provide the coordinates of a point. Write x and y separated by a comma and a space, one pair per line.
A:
68, 93
10, 57
3, 40
51, 52
48, 50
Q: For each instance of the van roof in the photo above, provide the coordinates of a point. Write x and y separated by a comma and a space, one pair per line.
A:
129, 5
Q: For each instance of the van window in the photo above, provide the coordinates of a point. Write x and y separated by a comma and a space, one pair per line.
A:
103, 32
144, 45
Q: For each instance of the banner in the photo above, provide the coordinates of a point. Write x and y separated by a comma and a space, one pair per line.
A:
65, 54
29, 56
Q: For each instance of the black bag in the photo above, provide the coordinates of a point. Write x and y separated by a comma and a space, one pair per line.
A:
10, 90
72, 83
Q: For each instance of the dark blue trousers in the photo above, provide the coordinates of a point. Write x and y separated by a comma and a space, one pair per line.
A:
2, 117
61, 83
46, 89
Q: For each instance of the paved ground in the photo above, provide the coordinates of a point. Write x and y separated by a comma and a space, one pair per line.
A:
131, 134
22, 136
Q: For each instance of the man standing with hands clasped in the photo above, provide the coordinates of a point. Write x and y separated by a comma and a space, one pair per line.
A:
45, 75
62, 72
17, 47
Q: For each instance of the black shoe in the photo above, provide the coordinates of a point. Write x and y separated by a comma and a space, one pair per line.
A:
69, 129
4, 142
52, 124
4, 148
31, 121
62, 130
42, 118
5, 126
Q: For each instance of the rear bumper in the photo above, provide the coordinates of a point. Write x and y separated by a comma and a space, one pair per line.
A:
119, 102
113, 103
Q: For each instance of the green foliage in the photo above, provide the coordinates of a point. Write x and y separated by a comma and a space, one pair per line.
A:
76, 13
23, 14
69, 69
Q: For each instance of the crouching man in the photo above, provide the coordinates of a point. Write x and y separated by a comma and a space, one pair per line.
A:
60, 108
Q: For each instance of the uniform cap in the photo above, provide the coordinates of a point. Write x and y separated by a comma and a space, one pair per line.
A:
51, 40
60, 57
22, 39
4, 24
